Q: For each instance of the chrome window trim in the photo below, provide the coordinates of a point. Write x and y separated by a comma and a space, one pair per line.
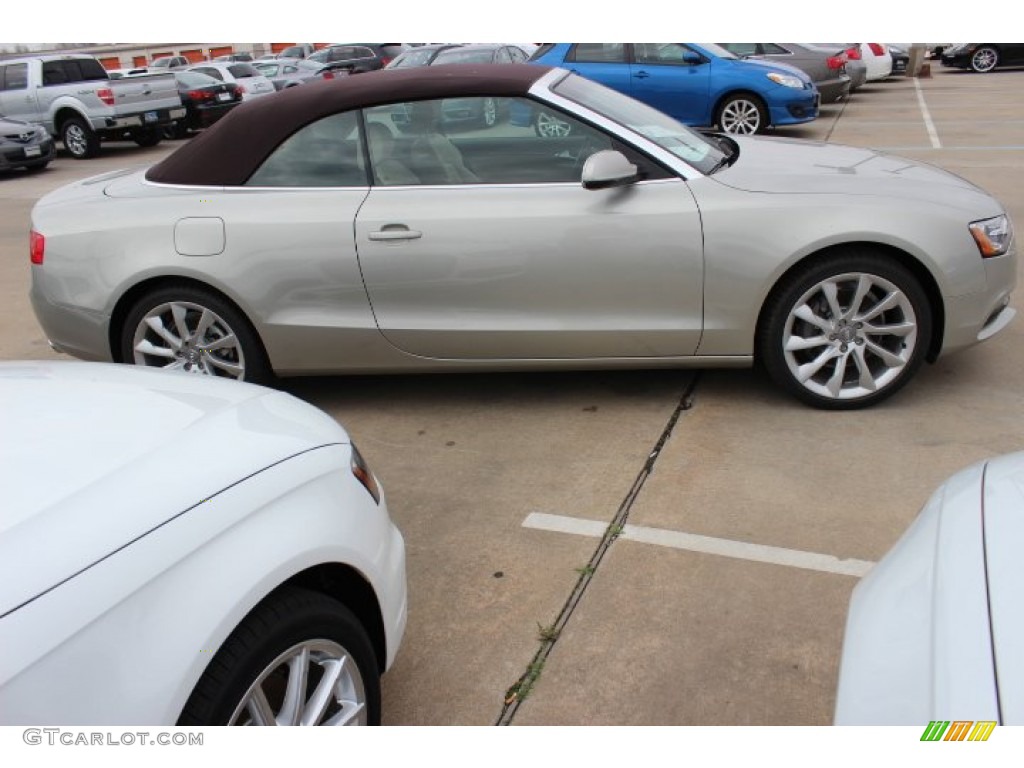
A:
542, 90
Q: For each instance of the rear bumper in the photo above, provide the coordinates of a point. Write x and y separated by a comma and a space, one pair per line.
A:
71, 330
153, 117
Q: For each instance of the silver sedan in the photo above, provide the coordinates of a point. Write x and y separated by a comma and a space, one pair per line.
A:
306, 234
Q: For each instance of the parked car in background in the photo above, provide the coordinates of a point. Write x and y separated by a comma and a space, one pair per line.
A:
701, 85
900, 59
362, 250
877, 58
24, 145
234, 57
983, 57
419, 56
825, 66
856, 68
169, 62
287, 73
206, 101
75, 99
358, 57
935, 630
298, 51
460, 112
99, 576
243, 74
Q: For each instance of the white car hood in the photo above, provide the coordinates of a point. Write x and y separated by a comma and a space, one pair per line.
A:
96, 455
798, 166
1004, 534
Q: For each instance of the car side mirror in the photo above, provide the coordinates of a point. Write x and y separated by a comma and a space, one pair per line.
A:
691, 57
608, 168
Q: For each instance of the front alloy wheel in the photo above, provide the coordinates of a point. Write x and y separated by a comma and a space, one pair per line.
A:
298, 658
847, 334
315, 682
984, 59
742, 115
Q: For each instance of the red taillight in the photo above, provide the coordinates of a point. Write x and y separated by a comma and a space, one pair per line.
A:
836, 62
198, 95
385, 60
36, 247
106, 96
853, 53
877, 49
328, 75
241, 89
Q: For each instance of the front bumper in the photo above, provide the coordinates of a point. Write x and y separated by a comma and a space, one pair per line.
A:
14, 156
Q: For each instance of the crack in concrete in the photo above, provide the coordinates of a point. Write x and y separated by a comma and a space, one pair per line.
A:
518, 691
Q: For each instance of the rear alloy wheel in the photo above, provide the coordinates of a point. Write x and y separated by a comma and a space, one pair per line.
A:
299, 658
194, 331
742, 114
984, 59
846, 332
80, 140
548, 126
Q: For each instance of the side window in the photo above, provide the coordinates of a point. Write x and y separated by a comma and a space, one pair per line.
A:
53, 73
774, 49
502, 57
327, 153
477, 140
15, 77
661, 53
598, 53
517, 54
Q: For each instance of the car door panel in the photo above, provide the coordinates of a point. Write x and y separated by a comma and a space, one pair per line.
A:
527, 271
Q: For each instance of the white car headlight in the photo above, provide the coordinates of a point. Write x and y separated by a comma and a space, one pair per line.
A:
790, 81
993, 236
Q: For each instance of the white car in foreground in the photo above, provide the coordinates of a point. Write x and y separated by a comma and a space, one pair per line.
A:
935, 630
186, 550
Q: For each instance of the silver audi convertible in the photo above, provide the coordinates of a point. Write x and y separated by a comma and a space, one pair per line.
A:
360, 226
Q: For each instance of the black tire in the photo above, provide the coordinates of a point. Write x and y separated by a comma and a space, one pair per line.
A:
837, 363
742, 114
246, 352
146, 137
985, 59
175, 131
285, 619
80, 140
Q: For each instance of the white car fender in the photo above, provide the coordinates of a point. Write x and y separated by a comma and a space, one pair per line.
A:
160, 627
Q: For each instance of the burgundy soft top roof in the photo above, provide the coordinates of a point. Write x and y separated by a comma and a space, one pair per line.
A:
230, 151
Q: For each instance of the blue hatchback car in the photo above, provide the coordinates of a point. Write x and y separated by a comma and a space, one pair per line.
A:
699, 84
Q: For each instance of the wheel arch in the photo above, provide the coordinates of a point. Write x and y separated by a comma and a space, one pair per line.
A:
905, 259
64, 114
350, 588
128, 298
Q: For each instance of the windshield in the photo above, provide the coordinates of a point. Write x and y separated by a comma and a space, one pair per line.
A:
656, 126
417, 57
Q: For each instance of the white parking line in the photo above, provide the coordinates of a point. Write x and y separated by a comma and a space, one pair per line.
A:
739, 550
928, 124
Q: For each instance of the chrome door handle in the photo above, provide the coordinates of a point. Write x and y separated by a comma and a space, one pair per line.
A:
396, 234
641, 74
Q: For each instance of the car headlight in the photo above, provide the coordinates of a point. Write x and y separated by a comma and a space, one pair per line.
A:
993, 236
790, 81
363, 474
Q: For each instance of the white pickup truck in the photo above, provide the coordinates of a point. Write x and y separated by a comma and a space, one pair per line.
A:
75, 99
